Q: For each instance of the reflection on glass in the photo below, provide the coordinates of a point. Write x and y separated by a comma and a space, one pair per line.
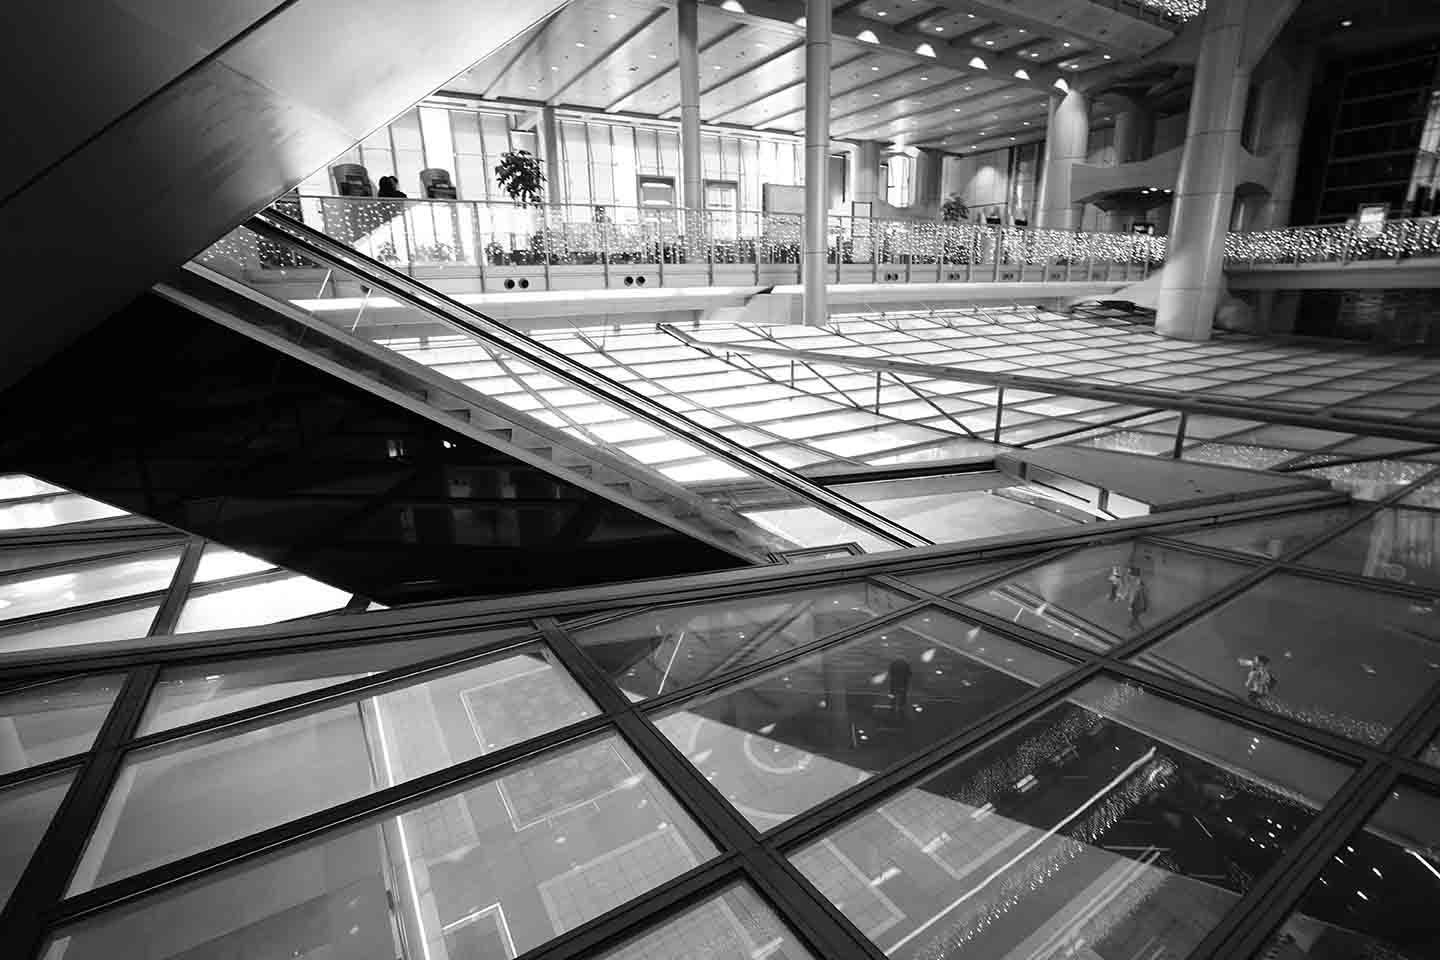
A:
17, 486
193, 693
1273, 536
1374, 479
27, 596
780, 743
951, 579
1103, 596
1394, 544
734, 925
218, 562
662, 650
177, 799
35, 556
54, 512
105, 626
1345, 659
257, 603
1375, 899
25, 812
490, 870
48, 721
1118, 824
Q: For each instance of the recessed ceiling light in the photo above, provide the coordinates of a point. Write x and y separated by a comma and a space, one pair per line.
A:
867, 36
881, 13
1012, 138
1107, 56
970, 15
555, 69
733, 6
875, 95
1065, 44
923, 79
874, 68
1022, 29
718, 67
939, 29
610, 15
579, 43
1347, 23
653, 56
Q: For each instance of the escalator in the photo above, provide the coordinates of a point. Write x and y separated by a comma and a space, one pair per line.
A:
499, 384
322, 441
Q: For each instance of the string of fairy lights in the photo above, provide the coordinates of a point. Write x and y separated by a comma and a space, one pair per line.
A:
1391, 240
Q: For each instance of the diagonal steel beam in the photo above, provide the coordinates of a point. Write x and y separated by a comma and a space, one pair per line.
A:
607, 53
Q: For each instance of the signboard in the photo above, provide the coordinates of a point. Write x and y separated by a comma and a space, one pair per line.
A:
778, 198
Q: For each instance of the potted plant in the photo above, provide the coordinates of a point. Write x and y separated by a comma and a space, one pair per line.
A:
521, 175
953, 210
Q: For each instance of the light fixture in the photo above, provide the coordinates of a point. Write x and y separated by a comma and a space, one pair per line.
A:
1065, 44
978, 64
867, 36
1108, 57
733, 6
1061, 85
799, 21
989, 43
1021, 74
923, 79
1022, 29
1012, 138
939, 29
881, 13
610, 16
925, 50
875, 69
580, 43
1347, 23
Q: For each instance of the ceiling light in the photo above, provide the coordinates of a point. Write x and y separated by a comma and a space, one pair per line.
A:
970, 15
978, 64
580, 43
867, 36
875, 68
1012, 138
1061, 85
718, 67
881, 13
925, 50
923, 79
1107, 56
875, 95
1027, 123
554, 69
1347, 23
653, 56
733, 6
939, 29
610, 15
989, 43
799, 21
1022, 75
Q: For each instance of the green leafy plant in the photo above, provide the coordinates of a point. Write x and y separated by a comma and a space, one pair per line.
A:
520, 174
953, 210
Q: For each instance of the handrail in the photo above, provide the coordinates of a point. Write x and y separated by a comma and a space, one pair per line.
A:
1142, 396
323, 248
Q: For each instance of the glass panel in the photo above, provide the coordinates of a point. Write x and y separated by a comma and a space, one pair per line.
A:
102, 627
670, 648
1272, 537
494, 869
1118, 824
54, 512
218, 562
181, 798
193, 693
53, 720
791, 738
1376, 898
36, 556
1373, 480
736, 925
270, 602
953, 578
17, 486
1101, 597
25, 812
1395, 544
1345, 659
27, 596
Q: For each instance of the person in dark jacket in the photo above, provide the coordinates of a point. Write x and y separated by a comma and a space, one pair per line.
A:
389, 187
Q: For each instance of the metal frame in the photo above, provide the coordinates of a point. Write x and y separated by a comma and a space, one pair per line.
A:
746, 856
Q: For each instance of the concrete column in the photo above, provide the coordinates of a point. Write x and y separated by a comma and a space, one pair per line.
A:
1134, 141
687, 46
817, 159
1066, 138
550, 146
867, 186
1284, 101
1193, 281
928, 167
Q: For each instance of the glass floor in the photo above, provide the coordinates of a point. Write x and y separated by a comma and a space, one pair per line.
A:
1177, 737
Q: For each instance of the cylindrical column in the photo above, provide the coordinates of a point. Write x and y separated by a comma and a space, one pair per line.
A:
867, 172
687, 45
1066, 138
817, 158
1193, 280
1284, 100
1134, 141
550, 146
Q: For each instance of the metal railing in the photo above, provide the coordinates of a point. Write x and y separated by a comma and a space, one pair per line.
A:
1341, 243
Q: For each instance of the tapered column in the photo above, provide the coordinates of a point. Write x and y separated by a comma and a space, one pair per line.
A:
687, 45
1066, 138
1193, 280
550, 147
868, 187
817, 158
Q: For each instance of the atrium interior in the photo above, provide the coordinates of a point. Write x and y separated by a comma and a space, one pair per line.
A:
744, 480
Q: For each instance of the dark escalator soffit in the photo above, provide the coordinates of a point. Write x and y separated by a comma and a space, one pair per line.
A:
173, 417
